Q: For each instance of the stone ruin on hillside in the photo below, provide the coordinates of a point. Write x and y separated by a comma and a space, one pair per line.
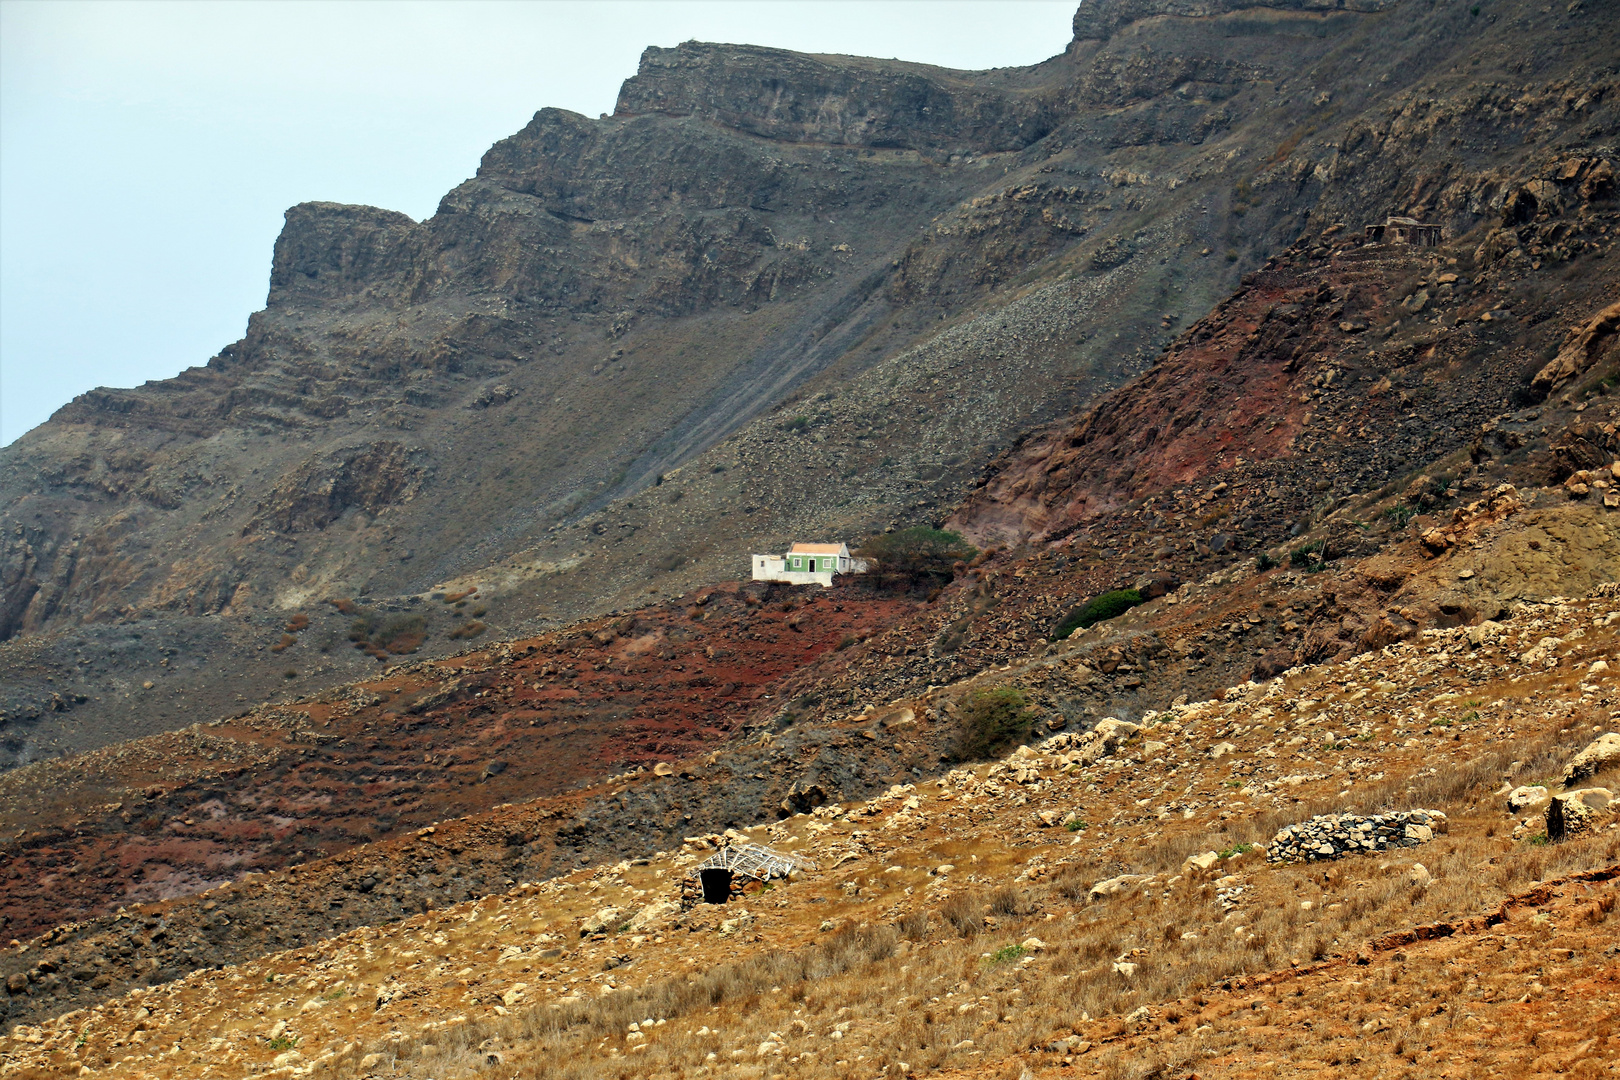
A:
715, 879
1403, 230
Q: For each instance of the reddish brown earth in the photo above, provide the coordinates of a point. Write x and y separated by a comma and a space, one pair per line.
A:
178, 812
1338, 367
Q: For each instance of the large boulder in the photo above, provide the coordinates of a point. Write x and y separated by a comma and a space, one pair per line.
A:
1577, 813
602, 921
1527, 797
1114, 886
1600, 754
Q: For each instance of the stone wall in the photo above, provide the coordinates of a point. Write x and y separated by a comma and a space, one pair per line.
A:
1334, 835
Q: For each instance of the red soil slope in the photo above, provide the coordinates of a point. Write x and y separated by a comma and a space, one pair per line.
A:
178, 812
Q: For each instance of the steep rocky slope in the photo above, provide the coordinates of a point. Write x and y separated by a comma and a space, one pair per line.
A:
1050, 909
817, 292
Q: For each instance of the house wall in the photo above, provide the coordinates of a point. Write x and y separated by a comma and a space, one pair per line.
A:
783, 568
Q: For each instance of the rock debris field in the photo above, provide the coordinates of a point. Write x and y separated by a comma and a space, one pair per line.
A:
1052, 910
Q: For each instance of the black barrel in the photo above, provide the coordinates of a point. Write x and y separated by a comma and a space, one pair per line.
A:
716, 884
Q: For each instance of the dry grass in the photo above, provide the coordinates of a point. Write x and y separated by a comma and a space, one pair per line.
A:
908, 982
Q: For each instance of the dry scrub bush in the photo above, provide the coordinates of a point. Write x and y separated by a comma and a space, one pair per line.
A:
964, 912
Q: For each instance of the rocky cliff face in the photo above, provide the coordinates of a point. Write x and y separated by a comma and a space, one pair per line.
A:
772, 296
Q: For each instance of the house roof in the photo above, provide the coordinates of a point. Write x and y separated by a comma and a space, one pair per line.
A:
816, 549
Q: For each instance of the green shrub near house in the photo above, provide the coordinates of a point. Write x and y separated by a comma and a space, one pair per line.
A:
917, 556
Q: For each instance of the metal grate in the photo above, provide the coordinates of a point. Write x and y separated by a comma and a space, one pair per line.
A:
753, 860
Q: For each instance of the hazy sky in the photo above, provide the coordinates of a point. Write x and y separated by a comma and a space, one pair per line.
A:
148, 150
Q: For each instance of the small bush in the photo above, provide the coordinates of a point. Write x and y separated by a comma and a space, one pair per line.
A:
467, 630
962, 911
797, 423
1007, 954
990, 722
1309, 558
1400, 514
1006, 901
401, 634
283, 1042
297, 622
1098, 609
1237, 849
287, 640
1265, 562
1076, 825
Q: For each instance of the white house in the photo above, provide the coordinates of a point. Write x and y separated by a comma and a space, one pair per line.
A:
808, 564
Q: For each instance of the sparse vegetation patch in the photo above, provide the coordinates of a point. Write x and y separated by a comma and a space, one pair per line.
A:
989, 721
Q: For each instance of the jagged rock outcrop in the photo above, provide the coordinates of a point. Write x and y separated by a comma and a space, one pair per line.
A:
1102, 20
842, 101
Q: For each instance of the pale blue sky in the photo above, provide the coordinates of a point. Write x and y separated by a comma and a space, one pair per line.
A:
148, 150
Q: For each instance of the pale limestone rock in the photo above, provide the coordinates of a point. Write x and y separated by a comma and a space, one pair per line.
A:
1602, 753
1114, 886
1204, 861
602, 920
654, 915
1527, 797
